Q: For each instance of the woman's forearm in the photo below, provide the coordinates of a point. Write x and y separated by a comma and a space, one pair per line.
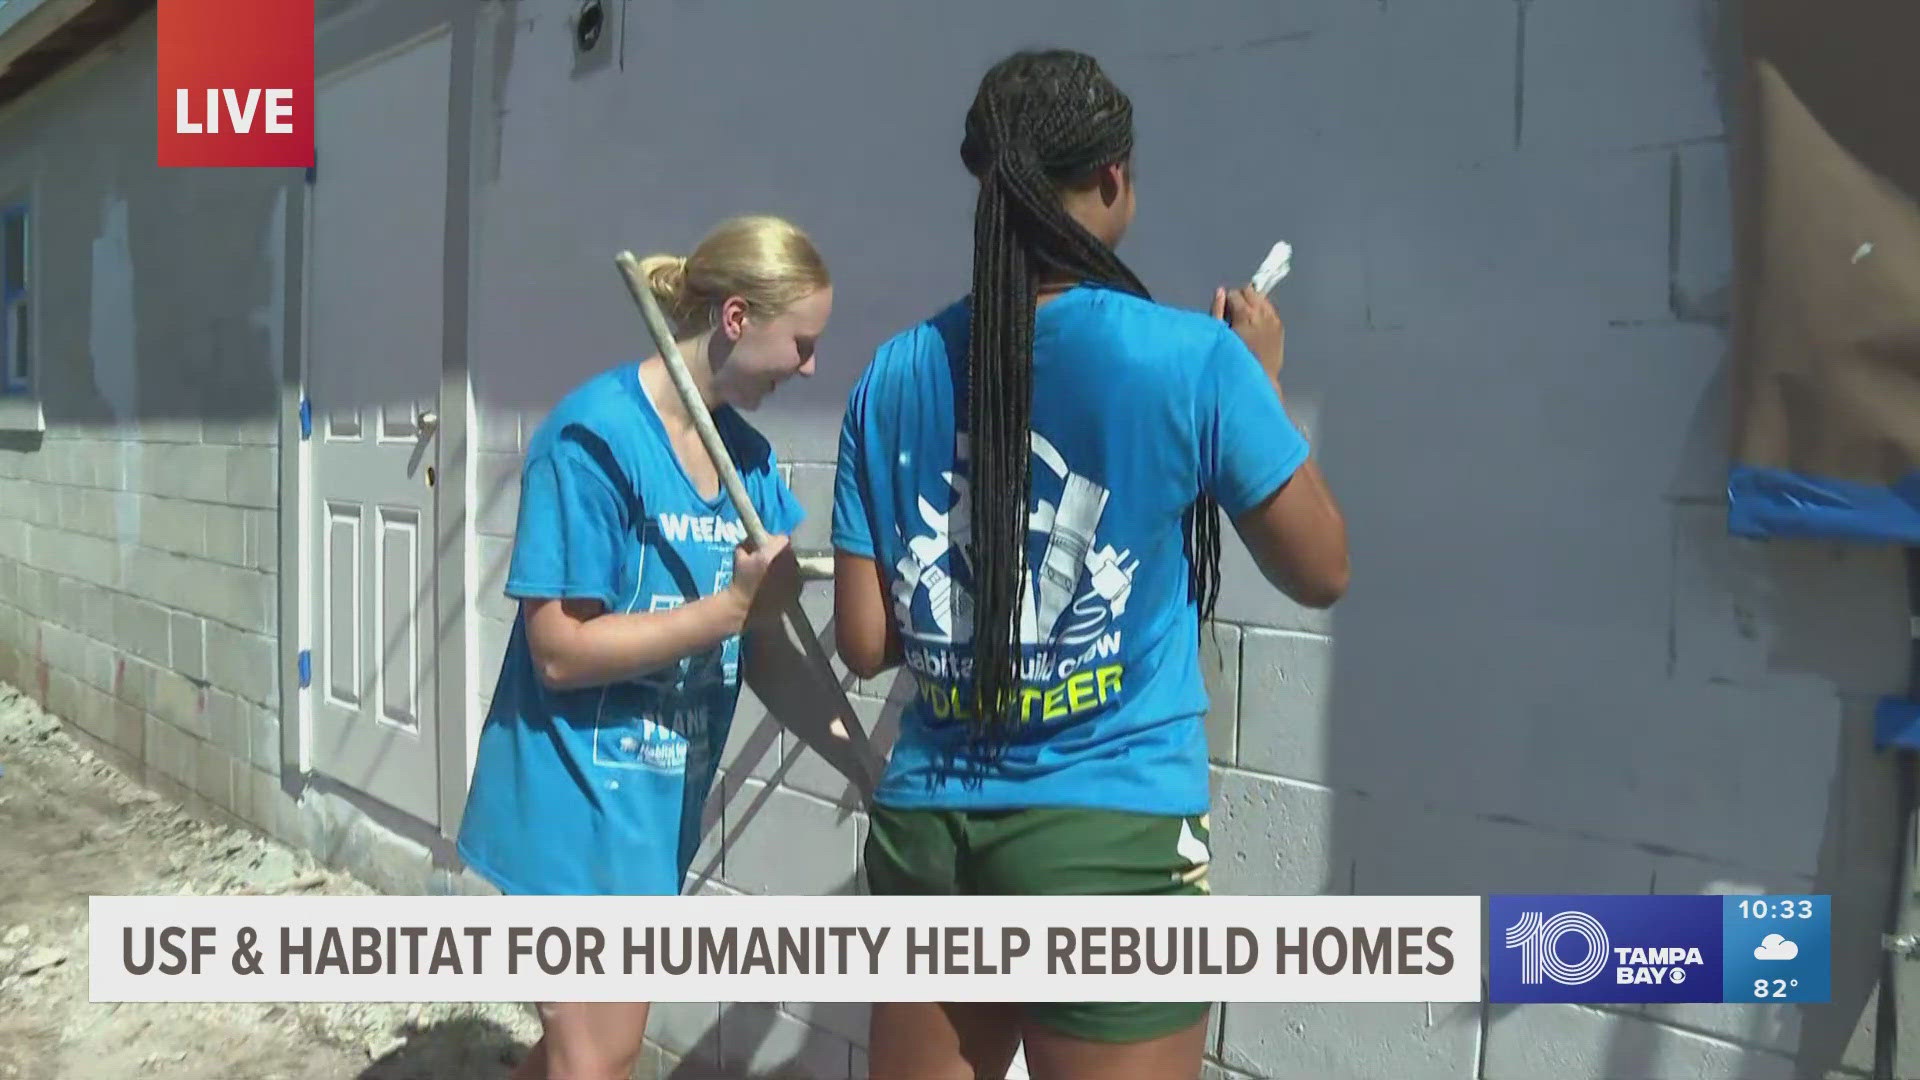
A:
575, 653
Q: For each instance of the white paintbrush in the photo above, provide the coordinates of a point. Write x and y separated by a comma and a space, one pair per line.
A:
1277, 265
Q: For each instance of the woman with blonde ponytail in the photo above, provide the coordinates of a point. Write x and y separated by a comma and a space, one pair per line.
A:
636, 594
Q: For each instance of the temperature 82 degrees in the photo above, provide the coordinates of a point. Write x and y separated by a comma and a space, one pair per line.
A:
1779, 949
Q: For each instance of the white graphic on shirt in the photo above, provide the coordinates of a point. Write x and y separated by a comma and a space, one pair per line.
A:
1070, 663
1074, 575
674, 703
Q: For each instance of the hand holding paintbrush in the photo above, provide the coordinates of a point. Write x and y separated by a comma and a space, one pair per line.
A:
1252, 315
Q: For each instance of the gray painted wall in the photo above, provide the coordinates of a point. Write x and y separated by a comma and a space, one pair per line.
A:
1555, 671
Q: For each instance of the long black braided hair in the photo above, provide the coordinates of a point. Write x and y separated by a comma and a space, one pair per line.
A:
1041, 120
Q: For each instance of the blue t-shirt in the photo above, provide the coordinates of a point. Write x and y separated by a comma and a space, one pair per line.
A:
1137, 409
600, 791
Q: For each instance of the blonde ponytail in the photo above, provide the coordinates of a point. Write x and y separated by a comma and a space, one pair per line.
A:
666, 278
766, 261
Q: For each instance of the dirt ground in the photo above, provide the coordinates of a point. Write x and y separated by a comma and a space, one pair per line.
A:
70, 827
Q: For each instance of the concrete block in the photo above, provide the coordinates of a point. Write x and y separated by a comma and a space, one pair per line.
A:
1570, 1042
220, 432
70, 603
87, 511
813, 489
128, 733
1286, 689
242, 663
144, 629
224, 533
171, 752
101, 665
263, 736
847, 1019
235, 595
1220, 659
263, 540
63, 695
804, 769
780, 842
30, 598
213, 775
40, 504
491, 638
63, 649
253, 477
1351, 1041
108, 470
1511, 214
499, 428
496, 559
264, 790
259, 430
1702, 233
75, 555
1273, 837
188, 645
394, 863
178, 701
1737, 774
134, 682
497, 489
757, 1039
96, 612
1407, 850
1573, 97
206, 478
1777, 613
229, 724
169, 429
686, 1028
93, 712
754, 741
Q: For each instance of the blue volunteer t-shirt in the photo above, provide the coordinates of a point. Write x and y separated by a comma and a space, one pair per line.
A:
601, 791
1137, 409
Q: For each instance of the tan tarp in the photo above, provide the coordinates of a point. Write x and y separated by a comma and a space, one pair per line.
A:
1826, 324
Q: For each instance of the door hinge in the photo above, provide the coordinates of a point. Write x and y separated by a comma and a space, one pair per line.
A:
306, 419
306, 668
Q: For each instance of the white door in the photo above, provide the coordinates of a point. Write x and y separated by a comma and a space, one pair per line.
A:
375, 324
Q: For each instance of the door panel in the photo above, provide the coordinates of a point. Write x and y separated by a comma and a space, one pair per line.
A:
374, 366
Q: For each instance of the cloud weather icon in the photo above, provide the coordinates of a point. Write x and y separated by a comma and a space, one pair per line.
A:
1775, 947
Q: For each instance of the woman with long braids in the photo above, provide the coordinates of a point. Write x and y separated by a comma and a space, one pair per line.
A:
1026, 515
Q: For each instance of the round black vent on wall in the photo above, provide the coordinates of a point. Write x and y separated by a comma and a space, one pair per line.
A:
588, 25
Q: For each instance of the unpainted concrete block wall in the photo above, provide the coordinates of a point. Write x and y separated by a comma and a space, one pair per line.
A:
139, 539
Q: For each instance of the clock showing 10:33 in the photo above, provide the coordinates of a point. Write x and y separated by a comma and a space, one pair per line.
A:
1778, 949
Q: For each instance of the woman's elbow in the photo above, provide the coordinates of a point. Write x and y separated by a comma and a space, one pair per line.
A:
863, 665
863, 657
556, 675
1326, 588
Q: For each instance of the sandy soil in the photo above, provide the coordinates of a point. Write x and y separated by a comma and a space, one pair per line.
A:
70, 827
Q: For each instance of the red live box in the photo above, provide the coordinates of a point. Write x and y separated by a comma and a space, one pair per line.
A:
236, 83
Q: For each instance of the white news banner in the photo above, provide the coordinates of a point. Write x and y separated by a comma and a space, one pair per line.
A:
785, 948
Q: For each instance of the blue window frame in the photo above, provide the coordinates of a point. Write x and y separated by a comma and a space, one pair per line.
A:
16, 284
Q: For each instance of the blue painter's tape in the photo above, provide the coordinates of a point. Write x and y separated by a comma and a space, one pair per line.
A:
1763, 503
